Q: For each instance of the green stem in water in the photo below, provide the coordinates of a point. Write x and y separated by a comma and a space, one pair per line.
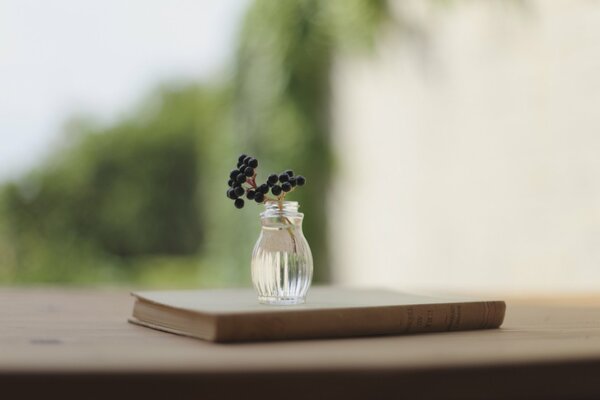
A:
286, 220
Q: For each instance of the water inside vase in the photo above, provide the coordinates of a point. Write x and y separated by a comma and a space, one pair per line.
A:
282, 264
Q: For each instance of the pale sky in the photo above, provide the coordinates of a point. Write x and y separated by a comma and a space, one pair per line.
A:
98, 57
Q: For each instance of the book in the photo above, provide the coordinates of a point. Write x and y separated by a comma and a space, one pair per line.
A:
234, 315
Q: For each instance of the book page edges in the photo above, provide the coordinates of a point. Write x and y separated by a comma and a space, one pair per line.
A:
161, 328
173, 320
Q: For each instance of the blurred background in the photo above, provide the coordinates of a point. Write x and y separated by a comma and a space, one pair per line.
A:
448, 145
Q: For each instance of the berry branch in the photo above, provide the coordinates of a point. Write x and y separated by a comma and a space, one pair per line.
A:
242, 181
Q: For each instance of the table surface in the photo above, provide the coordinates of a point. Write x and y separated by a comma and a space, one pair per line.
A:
78, 339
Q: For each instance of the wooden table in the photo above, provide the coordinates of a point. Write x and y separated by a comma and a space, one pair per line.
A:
76, 344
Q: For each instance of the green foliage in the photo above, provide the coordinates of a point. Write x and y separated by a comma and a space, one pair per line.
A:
142, 200
282, 93
127, 191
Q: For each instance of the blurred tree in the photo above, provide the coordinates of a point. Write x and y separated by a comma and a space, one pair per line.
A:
132, 200
117, 193
282, 92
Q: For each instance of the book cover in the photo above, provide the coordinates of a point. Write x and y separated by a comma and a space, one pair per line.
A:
233, 315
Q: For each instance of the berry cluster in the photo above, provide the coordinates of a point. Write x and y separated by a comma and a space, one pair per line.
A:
242, 181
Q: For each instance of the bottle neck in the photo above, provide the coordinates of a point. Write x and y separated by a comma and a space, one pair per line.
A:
281, 209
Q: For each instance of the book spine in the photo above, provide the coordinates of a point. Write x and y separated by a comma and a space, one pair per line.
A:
404, 319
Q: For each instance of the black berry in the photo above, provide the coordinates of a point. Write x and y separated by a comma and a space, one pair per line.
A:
284, 178
272, 179
245, 173
264, 188
259, 197
239, 191
276, 190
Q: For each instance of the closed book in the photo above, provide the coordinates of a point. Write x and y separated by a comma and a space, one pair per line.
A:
234, 315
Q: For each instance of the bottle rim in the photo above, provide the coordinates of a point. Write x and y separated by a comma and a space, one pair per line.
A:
289, 208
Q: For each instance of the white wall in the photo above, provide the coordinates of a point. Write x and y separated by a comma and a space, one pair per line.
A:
471, 160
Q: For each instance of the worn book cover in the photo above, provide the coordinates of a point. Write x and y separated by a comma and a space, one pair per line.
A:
231, 315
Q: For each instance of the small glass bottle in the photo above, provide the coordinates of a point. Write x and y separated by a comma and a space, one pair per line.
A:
282, 264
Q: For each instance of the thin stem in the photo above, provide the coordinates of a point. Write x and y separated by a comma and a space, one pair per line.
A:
287, 220
291, 232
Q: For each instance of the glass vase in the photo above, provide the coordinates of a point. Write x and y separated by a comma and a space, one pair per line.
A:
282, 264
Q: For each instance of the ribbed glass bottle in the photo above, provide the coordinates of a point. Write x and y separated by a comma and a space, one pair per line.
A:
282, 264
